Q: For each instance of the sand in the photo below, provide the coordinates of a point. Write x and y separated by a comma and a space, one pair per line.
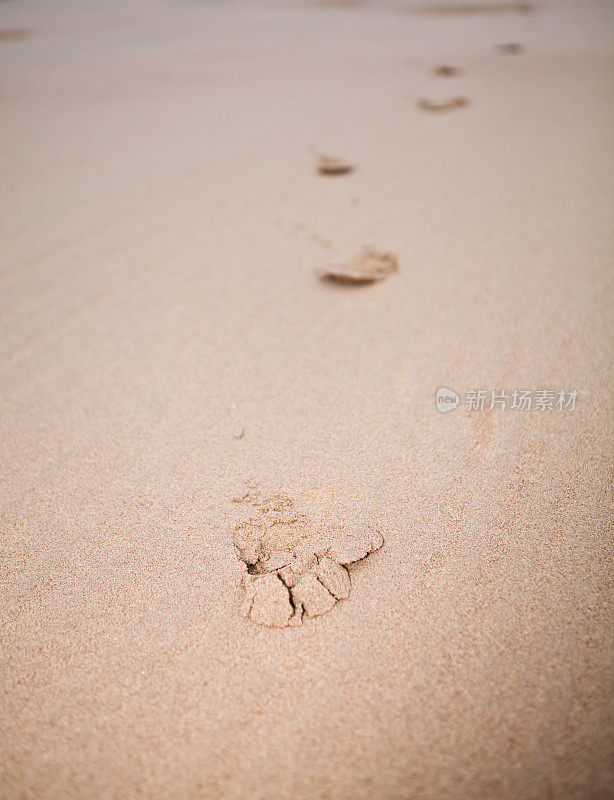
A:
165, 341
294, 557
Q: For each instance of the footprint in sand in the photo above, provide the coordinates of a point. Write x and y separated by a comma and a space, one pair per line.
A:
469, 9
448, 105
446, 71
13, 34
293, 564
365, 267
333, 165
509, 49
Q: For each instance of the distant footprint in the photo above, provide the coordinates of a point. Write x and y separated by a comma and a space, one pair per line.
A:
509, 49
446, 71
469, 9
332, 165
448, 105
367, 266
339, 3
292, 564
13, 34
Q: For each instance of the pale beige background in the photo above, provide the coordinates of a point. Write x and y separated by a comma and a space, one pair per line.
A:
160, 223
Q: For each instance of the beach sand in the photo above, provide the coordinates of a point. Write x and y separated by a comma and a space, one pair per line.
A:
165, 342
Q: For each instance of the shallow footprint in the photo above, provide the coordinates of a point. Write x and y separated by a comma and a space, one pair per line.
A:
510, 49
446, 71
448, 105
332, 165
365, 267
470, 8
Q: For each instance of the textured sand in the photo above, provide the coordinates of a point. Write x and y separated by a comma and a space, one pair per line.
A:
164, 339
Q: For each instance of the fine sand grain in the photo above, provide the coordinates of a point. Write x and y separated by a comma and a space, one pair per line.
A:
165, 350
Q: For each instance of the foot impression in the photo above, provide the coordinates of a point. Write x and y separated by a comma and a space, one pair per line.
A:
291, 566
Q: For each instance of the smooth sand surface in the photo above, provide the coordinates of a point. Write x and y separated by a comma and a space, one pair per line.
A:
161, 224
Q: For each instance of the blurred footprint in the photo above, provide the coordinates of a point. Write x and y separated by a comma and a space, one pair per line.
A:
509, 49
13, 34
448, 105
367, 266
332, 165
446, 71
463, 9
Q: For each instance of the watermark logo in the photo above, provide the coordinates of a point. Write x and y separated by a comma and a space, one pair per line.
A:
516, 400
446, 400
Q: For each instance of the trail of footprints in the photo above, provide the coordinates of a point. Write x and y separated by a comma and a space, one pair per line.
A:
291, 564
370, 265
294, 566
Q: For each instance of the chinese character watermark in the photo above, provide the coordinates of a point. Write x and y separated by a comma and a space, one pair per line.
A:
541, 400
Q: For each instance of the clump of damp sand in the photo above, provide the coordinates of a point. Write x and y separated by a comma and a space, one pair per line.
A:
294, 564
